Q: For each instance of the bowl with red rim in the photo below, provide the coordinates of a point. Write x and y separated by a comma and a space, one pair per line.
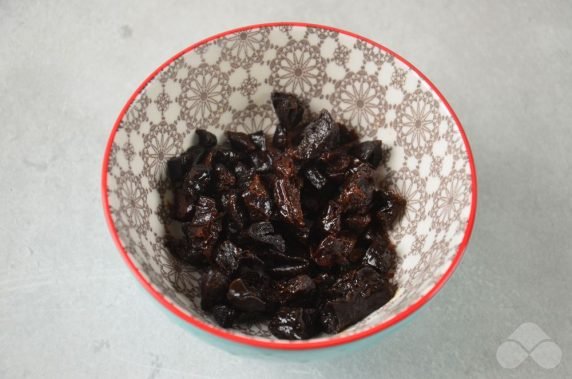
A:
224, 83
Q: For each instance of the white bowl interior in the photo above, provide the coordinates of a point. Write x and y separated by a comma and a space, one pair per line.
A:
225, 84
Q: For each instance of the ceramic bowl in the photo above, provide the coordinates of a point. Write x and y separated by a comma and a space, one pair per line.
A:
224, 83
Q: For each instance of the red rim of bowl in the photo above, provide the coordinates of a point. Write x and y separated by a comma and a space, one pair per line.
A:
281, 345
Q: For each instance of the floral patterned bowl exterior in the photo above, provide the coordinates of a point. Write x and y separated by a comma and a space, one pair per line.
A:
224, 83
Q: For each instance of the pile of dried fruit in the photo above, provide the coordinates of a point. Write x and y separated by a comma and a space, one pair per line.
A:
293, 230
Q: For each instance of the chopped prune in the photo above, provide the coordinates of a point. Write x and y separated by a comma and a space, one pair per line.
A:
224, 179
227, 257
263, 232
214, 286
368, 152
317, 137
224, 315
359, 292
244, 298
241, 142
294, 323
315, 177
259, 139
257, 200
292, 227
334, 250
206, 138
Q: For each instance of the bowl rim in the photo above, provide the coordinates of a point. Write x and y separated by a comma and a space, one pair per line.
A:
278, 344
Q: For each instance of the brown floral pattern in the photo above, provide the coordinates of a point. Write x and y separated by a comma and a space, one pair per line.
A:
298, 68
430, 166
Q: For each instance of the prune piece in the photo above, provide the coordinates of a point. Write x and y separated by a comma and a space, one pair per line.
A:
280, 139
317, 136
381, 255
263, 232
390, 207
288, 108
177, 167
205, 211
357, 190
357, 222
243, 298
257, 200
243, 175
227, 257
338, 166
297, 291
368, 152
226, 156
224, 179
331, 221
214, 286
333, 250
224, 315
259, 139
235, 216
287, 202
280, 265
312, 200
315, 177
284, 166
261, 161
182, 205
181, 251
347, 135
294, 323
206, 138
197, 179
323, 282
241, 142
361, 292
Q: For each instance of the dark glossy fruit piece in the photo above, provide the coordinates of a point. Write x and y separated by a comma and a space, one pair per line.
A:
337, 166
241, 142
235, 216
243, 174
197, 180
263, 232
205, 211
224, 315
224, 180
177, 167
368, 152
203, 231
317, 137
356, 294
334, 250
296, 291
206, 138
357, 222
244, 298
295, 323
182, 205
284, 166
259, 139
381, 255
315, 177
223, 154
280, 265
390, 207
357, 191
331, 220
180, 249
257, 200
214, 286
287, 202
227, 257
261, 161
288, 108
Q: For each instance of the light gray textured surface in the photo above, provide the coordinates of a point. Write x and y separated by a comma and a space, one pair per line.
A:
69, 307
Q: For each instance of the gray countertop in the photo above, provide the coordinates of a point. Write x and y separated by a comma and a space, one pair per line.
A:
70, 308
